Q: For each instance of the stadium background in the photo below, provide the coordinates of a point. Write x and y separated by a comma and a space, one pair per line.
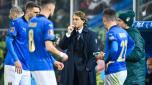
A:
93, 9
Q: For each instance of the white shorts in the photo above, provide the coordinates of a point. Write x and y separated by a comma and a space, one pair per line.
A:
44, 77
116, 78
12, 78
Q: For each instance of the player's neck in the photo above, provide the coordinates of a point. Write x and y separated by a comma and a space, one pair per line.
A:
111, 24
46, 14
27, 18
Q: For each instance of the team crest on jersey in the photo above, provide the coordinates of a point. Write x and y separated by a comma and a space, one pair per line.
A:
32, 24
50, 32
12, 29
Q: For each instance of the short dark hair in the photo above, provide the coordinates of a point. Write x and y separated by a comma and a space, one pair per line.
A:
30, 5
110, 14
45, 2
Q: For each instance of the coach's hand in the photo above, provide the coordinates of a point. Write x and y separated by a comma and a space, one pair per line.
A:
59, 65
18, 67
70, 28
64, 56
101, 55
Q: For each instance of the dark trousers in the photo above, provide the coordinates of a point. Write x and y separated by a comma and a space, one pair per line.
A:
80, 77
76, 74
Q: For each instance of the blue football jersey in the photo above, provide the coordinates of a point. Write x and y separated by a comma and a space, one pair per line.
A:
40, 30
16, 43
117, 44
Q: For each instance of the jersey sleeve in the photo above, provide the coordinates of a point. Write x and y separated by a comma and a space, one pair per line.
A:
12, 30
49, 32
110, 42
113, 48
12, 33
53, 59
10, 47
111, 36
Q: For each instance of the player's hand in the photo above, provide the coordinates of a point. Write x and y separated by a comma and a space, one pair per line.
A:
101, 55
59, 65
70, 28
18, 67
63, 56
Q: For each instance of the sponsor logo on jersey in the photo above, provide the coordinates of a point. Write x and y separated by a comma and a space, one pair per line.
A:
32, 24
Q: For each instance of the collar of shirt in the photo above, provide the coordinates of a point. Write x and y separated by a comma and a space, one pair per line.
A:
80, 30
23, 17
41, 15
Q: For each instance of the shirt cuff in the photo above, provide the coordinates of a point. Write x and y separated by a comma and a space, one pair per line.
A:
68, 35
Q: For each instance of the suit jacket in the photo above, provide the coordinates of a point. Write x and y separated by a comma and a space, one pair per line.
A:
80, 54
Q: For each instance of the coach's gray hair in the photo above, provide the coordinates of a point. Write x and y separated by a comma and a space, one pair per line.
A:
16, 9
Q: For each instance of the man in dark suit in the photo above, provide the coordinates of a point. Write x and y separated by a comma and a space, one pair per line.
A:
79, 43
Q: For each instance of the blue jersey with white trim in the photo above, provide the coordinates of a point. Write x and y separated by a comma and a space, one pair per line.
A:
16, 43
40, 30
117, 44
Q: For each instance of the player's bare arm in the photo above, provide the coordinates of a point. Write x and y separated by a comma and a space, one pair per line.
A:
50, 47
